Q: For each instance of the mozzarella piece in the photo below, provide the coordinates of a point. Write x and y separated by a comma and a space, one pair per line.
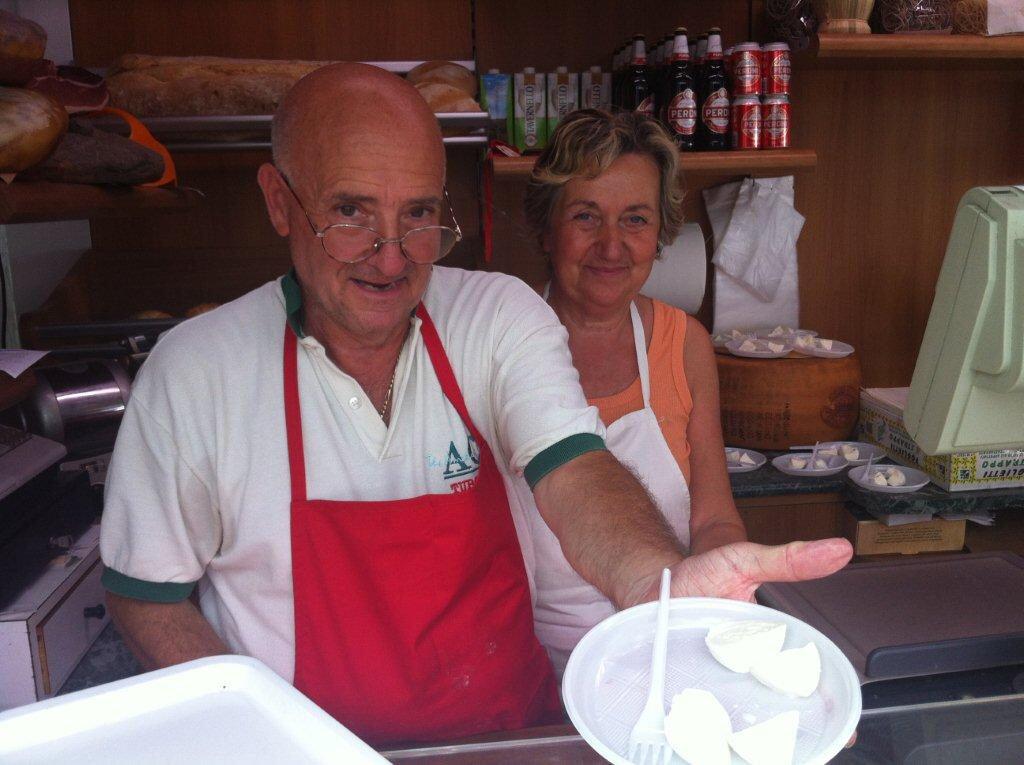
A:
746, 459
736, 334
779, 330
747, 345
797, 463
805, 341
737, 645
698, 729
878, 478
895, 477
850, 452
771, 742
794, 672
776, 347
825, 345
731, 455
820, 464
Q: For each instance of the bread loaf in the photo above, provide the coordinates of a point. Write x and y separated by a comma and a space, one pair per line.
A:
445, 73
21, 38
86, 155
176, 86
31, 125
445, 98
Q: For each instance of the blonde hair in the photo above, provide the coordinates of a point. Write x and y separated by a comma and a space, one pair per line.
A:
585, 144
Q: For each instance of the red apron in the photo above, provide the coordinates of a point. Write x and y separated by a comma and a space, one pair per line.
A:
413, 618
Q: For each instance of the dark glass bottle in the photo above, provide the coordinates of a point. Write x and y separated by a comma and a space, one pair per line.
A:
636, 86
680, 96
714, 97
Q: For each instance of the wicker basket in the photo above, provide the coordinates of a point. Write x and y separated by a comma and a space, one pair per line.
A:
844, 16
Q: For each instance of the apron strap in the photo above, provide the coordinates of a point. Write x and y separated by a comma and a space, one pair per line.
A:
443, 370
293, 417
640, 341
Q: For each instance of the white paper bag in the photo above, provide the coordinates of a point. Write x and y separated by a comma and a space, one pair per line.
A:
738, 305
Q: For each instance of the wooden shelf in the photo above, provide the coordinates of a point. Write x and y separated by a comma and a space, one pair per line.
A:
706, 162
918, 46
38, 201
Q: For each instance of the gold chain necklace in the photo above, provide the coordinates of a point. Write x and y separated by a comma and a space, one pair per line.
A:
387, 396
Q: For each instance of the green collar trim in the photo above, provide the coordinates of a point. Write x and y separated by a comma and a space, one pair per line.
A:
293, 302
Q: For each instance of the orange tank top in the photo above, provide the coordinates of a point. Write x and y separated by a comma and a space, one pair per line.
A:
670, 395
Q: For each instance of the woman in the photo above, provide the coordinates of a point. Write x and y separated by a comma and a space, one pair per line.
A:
603, 201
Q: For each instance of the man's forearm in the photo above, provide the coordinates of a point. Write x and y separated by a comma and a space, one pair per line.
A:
610, 530
163, 634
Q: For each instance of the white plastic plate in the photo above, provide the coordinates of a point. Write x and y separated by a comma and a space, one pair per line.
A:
735, 467
916, 479
835, 465
837, 351
733, 346
223, 709
867, 451
606, 680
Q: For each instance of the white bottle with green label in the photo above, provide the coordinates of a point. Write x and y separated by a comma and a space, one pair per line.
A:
530, 123
563, 96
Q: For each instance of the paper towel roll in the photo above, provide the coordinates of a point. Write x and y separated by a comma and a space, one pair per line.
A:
680, 276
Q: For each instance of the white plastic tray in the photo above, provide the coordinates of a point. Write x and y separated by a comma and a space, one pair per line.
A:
608, 674
835, 465
916, 479
735, 467
224, 709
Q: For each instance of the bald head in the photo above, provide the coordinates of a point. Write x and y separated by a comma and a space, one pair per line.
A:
337, 107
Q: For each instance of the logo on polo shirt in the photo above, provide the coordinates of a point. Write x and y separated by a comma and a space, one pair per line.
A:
462, 463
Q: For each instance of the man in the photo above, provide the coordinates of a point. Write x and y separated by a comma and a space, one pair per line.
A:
330, 453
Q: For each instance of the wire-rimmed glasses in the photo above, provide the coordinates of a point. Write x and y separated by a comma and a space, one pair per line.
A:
350, 243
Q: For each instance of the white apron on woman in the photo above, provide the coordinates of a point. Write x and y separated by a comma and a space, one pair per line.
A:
567, 606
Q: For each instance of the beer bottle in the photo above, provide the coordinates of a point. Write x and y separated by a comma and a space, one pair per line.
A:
698, 62
637, 95
680, 114
714, 101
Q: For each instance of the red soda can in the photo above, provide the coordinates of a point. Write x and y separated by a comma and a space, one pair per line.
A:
775, 121
746, 69
776, 68
746, 122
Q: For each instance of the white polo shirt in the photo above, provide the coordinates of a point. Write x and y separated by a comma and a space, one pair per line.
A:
199, 489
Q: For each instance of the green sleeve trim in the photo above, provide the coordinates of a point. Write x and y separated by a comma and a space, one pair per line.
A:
157, 592
558, 454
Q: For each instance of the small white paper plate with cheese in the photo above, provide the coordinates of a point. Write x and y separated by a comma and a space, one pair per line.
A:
815, 346
916, 479
790, 465
759, 349
606, 680
733, 457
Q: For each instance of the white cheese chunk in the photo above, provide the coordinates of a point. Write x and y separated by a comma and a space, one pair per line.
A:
779, 330
737, 645
878, 478
895, 477
797, 463
731, 455
850, 452
776, 347
825, 345
805, 341
746, 459
771, 742
737, 334
820, 464
794, 672
698, 728
747, 345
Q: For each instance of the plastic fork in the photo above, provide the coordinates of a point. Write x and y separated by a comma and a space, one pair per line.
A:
647, 742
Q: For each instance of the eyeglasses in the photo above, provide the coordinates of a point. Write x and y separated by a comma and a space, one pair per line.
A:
350, 243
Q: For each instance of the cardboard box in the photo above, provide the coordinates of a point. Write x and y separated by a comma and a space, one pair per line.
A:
872, 537
881, 422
